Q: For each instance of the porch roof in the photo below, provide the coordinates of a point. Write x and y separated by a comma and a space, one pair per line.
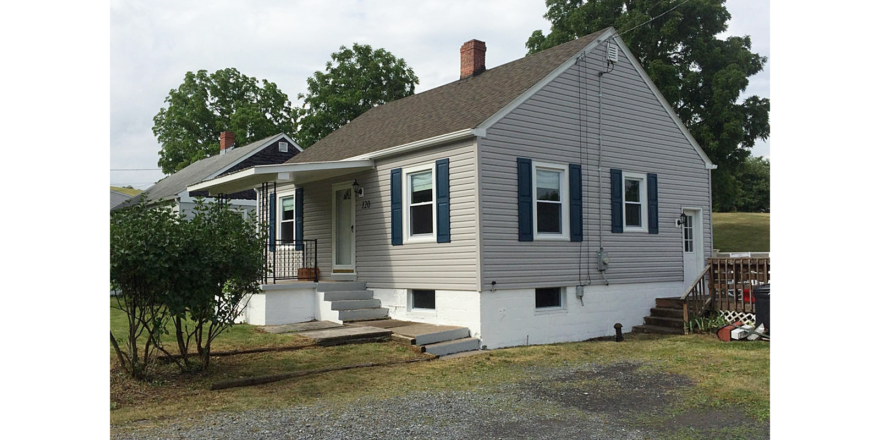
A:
297, 173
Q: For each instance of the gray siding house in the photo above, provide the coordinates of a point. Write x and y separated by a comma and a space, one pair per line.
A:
540, 201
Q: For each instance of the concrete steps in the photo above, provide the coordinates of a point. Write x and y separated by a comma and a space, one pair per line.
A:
440, 340
352, 301
347, 316
356, 307
452, 347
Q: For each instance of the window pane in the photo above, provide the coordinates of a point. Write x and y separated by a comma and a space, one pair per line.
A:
420, 187
421, 219
423, 299
548, 185
287, 231
287, 208
548, 297
549, 217
631, 187
633, 214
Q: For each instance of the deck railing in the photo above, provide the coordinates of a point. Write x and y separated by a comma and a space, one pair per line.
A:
725, 284
291, 260
697, 298
734, 281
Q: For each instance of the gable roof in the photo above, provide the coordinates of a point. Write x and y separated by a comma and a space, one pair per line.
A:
117, 197
459, 105
169, 187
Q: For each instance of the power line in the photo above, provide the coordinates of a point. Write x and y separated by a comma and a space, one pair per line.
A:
654, 18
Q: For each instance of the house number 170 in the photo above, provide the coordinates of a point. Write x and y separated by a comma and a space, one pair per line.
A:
365, 204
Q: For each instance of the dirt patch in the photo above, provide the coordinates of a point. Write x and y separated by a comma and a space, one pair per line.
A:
728, 423
612, 389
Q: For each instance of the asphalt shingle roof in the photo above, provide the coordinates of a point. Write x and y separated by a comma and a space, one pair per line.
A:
459, 105
172, 185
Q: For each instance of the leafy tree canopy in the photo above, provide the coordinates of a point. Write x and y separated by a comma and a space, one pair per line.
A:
700, 75
205, 105
355, 80
754, 195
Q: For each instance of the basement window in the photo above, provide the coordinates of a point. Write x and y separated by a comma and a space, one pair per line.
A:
423, 299
548, 298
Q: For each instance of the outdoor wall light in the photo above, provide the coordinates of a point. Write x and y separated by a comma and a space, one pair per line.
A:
357, 189
682, 219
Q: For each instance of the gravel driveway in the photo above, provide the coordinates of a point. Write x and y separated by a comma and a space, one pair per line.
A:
585, 402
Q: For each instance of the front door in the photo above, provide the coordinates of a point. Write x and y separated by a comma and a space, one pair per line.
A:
692, 244
343, 229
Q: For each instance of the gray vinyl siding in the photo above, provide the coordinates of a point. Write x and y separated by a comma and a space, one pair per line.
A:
441, 266
637, 136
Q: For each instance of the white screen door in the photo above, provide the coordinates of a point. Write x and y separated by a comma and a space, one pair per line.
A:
343, 228
692, 244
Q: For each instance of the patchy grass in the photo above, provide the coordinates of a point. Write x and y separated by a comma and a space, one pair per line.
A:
239, 337
722, 377
129, 191
741, 231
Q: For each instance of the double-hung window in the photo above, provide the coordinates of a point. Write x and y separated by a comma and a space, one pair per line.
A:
420, 197
551, 201
635, 202
285, 218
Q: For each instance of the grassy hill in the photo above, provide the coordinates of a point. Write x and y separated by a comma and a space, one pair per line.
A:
129, 191
741, 231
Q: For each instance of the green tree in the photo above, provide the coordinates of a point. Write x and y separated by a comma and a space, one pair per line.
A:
700, 75
205, 105
355, 81
220, 269
145, 245
754, 178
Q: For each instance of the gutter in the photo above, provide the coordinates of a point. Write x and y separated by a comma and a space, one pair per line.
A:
424, 143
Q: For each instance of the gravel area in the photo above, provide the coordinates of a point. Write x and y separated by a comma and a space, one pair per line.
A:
584, 401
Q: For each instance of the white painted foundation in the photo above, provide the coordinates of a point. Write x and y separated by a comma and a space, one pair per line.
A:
509, 318
453, 307
281, 304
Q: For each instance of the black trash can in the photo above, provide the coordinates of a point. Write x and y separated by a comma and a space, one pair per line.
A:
762, 307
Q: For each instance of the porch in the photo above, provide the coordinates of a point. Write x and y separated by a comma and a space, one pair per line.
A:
726, 285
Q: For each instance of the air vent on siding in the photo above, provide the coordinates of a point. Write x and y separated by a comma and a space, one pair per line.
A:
282, 147
612, 53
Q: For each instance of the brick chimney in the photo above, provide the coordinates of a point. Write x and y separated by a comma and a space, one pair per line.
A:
473, 58
227, 138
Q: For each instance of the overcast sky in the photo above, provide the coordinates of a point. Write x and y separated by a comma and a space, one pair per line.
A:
154, 43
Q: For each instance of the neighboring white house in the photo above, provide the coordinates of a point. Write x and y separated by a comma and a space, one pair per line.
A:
173, 189
535, 202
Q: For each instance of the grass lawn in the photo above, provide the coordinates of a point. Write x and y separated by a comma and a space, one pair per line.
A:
741, 231
129, 191
724, 375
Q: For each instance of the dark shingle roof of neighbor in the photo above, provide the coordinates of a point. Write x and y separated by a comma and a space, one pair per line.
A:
117, 197
195, 172
459, 105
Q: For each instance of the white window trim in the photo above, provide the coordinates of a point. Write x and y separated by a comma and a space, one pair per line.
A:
420, 238
419, 311
643, 200
563, 303
279, 214
563, 189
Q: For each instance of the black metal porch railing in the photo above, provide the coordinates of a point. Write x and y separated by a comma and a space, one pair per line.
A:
291, 260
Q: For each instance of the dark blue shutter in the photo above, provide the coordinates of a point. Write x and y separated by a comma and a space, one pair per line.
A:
575, 206
616, 201
524, 199
272, 222
653, 206
298, 218
396, 208
442, 179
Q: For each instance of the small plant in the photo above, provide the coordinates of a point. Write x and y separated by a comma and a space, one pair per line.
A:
703, 324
